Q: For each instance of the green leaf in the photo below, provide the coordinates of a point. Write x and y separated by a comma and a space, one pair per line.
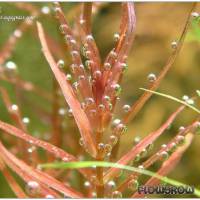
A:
86, 164
173, 98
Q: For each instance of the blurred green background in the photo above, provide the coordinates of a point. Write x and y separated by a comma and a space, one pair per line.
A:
158, 24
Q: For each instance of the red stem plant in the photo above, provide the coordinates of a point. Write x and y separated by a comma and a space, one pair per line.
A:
92, 101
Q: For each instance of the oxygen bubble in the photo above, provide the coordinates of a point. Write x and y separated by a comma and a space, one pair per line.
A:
124, 67
75, 86
137, 139
190, 101
61, 64
63, 28
97, 74
151, 77
115, 123
101, 107
185, 97
111, 185
17, 33
164, 155
121, 128
45, 10
31, 149
68, 77
88, 64
174, 44
107, 66
74, 53
11, 65
173, 147
117, 89
33, 188
140, 167
14, 107
89, 101
106, 98
26, 120
163, 146
49, 196
116, 37
81, 142
94, 194
89, 38
195, 14
70, 113
117, 194
101, 146
181, 128
113, 54
87, 184
180, 140
65, 159
126, 108
113, 140
61, 111
110, 106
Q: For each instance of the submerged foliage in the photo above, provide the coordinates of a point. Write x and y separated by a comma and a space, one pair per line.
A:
92, 91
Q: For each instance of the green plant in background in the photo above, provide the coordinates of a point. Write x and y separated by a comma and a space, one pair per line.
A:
92, 91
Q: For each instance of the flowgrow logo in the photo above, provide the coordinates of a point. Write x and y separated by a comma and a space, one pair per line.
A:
170, 190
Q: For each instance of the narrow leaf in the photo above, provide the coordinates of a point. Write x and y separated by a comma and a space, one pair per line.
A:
79, 115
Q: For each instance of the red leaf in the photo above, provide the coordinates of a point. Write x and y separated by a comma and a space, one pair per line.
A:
79, 115
142, 145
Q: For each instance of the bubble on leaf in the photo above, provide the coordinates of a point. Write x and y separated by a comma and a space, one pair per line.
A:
181, 128
116, 37
185, 97
126, 108
113, 140
111, 185
140, 167
180, 140
61, 64
81, 142
26, 120
117, 194
164, 155
17, 33
45, 10
115, 123
107, 66
163, 146
124, 67
137, 139
151, 77
32, 188
89, 38
97, 74
87, 184
117, 88
14, 107
70, 112
63, 28
11, 65
31, 149
49, 196
195, 14
101, 107
174, 44
68, 77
